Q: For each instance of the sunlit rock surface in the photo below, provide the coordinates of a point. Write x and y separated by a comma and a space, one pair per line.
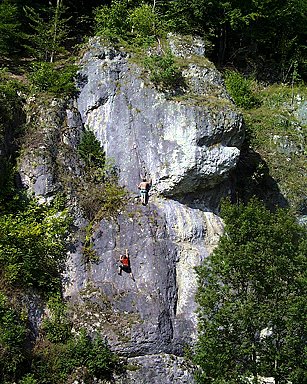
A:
183, 143
188, 143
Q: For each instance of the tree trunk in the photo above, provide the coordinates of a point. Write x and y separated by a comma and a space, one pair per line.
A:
56, 20
222, 44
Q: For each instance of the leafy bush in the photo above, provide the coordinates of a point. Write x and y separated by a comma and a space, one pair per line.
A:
128, 20
81, 358
90, 149
145, 24
32, 248
240, 89
163, 70
56, 326
28, 379
101, 199
13, 332
112, 22
46, 77
9, 96
11, 114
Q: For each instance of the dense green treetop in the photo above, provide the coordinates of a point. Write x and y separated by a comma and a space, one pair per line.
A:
252, 299
266, 38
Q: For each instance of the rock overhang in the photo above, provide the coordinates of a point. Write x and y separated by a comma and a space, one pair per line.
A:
183, 143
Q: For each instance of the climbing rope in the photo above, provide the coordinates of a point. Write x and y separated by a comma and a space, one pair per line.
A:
139, 158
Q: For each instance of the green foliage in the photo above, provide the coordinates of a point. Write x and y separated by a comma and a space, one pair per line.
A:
11, 126
13, 332
145, 24
240, 89
80, 358
241, 35
277, 133
88, 251
49, 32
99, 193
10, 101
28, 379
251, 295
113, 22
32, 248
129, 20
9, 28
163, 70
99, 200
56, 326
47, 77
237, 31
90, 149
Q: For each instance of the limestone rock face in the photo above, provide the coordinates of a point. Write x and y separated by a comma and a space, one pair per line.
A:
188, 144
38, 160
185, 143
166, 240
151, 368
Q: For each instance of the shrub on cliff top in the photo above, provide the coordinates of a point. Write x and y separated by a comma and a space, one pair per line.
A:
240, 89
128, 20
47, 77
163, 70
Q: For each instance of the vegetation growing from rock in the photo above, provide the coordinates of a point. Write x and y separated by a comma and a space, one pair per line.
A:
240, 89
13, 340
32, 252
90, 150
251, 297
272, 162
48, 77
164, 72
37, 50
80, 358
99, 193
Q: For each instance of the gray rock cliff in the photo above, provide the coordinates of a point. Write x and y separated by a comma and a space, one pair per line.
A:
184, 145
188, 145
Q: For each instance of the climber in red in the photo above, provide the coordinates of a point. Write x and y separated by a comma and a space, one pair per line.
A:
124, 264
144, 188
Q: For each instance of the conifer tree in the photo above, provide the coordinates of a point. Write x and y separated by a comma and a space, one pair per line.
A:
50, 31
9, 28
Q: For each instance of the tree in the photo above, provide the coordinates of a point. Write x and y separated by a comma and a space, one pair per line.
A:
13, 332
50, 31
252, 300
270, 33
9, 28
33, 248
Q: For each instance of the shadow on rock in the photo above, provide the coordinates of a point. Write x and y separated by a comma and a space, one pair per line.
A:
252, 178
